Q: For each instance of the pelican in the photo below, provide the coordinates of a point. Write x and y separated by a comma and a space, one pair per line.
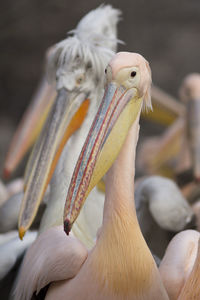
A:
10, 197
8, 242
190, 95
3, 193
181, 138
161, 210
120, 266
166, 108
156, 153
77, 63
180, 267
191, 288
8, 190
15, 186
196, 210
9, 212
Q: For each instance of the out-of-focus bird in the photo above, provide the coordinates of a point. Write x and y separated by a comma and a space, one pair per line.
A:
15, 186
77, 63
8, 190
161, 210
180, 267
10, 197
178, 148
3, 193
9, 212
190, 95
8, 242
166, 109
156, 157
196, 211
114, 268
191, 288
30, 125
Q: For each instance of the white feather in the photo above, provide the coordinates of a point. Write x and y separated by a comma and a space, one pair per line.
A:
12, 248
53, 256
94, 41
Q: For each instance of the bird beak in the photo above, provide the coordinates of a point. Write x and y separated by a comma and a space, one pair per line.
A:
63, 119
29, 127
118, 110
193, 130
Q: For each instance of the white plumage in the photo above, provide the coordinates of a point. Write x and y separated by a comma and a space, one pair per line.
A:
11, 248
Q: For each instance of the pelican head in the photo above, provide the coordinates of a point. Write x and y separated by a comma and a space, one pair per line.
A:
128, 82
77, 65
190, 94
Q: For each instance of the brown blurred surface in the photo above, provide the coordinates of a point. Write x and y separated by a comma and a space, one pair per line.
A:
165, 32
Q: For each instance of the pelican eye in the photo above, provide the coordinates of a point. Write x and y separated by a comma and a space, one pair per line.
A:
79, 79
105, 71
133, 74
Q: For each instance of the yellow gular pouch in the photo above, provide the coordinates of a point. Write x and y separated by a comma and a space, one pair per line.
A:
115, 141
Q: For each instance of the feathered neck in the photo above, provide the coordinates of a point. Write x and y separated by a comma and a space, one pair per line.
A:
122, 260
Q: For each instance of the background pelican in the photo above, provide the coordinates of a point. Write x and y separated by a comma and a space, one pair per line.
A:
161, 210
30, 125
178, 147
10, 198
180, 266
8, 242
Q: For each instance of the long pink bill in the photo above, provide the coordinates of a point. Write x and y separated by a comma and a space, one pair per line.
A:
114, 101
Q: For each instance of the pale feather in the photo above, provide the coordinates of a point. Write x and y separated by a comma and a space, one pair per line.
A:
178, 261
54, 256
11, 249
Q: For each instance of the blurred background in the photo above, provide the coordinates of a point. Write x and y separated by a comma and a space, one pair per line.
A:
165, 32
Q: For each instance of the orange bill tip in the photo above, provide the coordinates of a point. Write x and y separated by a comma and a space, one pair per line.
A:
22, 232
